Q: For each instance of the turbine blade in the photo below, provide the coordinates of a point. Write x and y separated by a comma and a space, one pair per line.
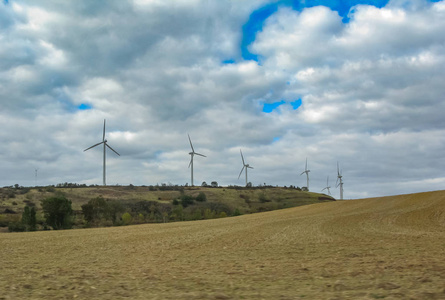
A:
93, 146
338, 169
200, 154
242, 157
305, 168
103, 136
112, 149
250, 167
302, 173
323, 189
191, 160
241, 172
193, 150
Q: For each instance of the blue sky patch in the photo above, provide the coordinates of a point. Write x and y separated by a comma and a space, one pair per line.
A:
276, 139
257, 18
84, 106
253, 25
228, 61
296, 104
270, 107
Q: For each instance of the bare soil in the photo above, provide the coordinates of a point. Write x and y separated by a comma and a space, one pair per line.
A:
381, 248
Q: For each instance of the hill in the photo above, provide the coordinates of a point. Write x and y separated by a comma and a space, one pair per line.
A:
381, 248
228, 199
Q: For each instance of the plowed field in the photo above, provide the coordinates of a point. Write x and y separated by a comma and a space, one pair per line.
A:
382, 248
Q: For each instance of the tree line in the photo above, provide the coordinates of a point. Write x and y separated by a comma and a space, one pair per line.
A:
100, 212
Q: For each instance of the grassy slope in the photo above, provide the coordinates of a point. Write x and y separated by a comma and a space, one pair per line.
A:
279, 197
391, 248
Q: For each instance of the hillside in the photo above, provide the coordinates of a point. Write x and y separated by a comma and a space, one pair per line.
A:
228, 199
381, 248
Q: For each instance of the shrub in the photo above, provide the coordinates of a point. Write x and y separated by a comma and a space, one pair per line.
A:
16, 227
114, 208
57, 211
126, 218
186, 200
201, 197
262, 198
209, 214
197, 215
177, 213
223, 214
237, 212
95, 209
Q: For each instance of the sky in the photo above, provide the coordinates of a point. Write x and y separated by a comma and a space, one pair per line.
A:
360, 83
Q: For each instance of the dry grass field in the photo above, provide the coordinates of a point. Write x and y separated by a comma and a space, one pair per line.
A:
382, 248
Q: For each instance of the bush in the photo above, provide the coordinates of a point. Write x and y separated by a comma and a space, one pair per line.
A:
186, 200
57, 211
126, 218
114, 208
237, 212
16, 227
201, 197
262, 197
95, 210
209, 214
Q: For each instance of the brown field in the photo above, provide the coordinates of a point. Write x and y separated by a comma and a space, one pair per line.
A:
382, 248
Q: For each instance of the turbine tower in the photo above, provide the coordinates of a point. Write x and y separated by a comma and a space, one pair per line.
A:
339, 182
193, 154
245, 166
36, 169
307, 174
327, 187
104, 141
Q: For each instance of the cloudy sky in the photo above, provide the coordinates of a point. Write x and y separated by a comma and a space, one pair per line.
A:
358, 82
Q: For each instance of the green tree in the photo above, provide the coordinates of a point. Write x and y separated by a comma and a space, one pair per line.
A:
32, 220
127, 218
26, 217
201, 197
115, 208
178, 213
186, 200
57, 212
29, 219
95, 209
209, 214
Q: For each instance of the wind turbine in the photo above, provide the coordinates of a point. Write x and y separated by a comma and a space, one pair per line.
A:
327, 187
245, 166
339, 182
36, 169
307, 174
193, 154
104, 141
